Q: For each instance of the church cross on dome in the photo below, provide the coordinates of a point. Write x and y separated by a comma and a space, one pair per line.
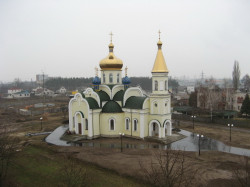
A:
111, 35
159, 34
96, 71
126, 71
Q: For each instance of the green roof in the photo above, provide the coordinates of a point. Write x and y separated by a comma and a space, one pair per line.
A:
92, 103
103, 96
119, 96
135, 102
111, 107
83, 96
110, 86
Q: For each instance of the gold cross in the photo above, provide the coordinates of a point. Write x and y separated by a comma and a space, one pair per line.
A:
96, 71
159, 34
111, 34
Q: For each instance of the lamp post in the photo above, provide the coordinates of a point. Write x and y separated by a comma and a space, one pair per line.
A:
41, 119
193, 120
230, 126
200, 136
121, 135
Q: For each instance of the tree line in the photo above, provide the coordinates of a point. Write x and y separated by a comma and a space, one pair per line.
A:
79, 83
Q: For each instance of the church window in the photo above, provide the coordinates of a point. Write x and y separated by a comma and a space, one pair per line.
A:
112, 124
127, 124
86, 124
155, 104
156, 85
110, 78
118, 77
153, 126
103, 78
135, 124
166, 85
166, 104
161, 85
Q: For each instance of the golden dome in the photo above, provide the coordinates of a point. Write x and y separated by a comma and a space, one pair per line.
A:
111, 62
160, 64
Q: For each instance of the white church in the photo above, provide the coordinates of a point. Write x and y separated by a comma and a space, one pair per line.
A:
111, 106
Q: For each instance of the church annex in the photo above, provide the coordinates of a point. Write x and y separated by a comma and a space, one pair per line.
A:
111, 106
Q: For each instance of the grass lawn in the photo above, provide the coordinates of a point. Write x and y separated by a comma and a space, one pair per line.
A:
42, 165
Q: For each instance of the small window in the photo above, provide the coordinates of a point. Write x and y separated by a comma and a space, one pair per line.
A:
127, 124
118, 77
86, 124
166, 104
155, 104
156, 85
112, 124
103, 76
110, 78
135, 125
166, 85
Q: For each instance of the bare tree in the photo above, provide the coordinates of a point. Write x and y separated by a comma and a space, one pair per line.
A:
242, 173
236, 75
168, 168
17, 82
73, 175
246, 82
64, 110
7, 150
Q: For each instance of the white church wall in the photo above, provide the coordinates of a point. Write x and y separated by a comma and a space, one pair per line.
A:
105, 126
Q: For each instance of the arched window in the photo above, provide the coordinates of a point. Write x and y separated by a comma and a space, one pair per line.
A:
86, 124
156, 85
112, 124
166, 85
118, 77
110, 78
103, 76
127, 124
153, 126
135, 124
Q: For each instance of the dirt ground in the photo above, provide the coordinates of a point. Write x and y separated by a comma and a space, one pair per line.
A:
214, 168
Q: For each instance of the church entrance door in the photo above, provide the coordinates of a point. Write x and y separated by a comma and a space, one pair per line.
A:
79, 128
155, 130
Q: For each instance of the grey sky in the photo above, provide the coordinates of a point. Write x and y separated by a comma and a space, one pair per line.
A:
69, 38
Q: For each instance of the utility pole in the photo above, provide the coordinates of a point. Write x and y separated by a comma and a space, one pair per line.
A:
43, 94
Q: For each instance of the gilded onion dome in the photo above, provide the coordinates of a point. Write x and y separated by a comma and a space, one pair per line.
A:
160, 64
111, 62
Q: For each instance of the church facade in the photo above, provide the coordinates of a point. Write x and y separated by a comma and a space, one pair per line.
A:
111, 106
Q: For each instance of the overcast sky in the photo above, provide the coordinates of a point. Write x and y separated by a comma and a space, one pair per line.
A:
68, 38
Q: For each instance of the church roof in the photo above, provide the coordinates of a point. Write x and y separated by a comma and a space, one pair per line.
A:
135, 102
119, 96
92, 103
103, 95
111, 107
160, 64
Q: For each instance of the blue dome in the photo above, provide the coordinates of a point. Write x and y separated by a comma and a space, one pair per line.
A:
96, 81
126, 80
